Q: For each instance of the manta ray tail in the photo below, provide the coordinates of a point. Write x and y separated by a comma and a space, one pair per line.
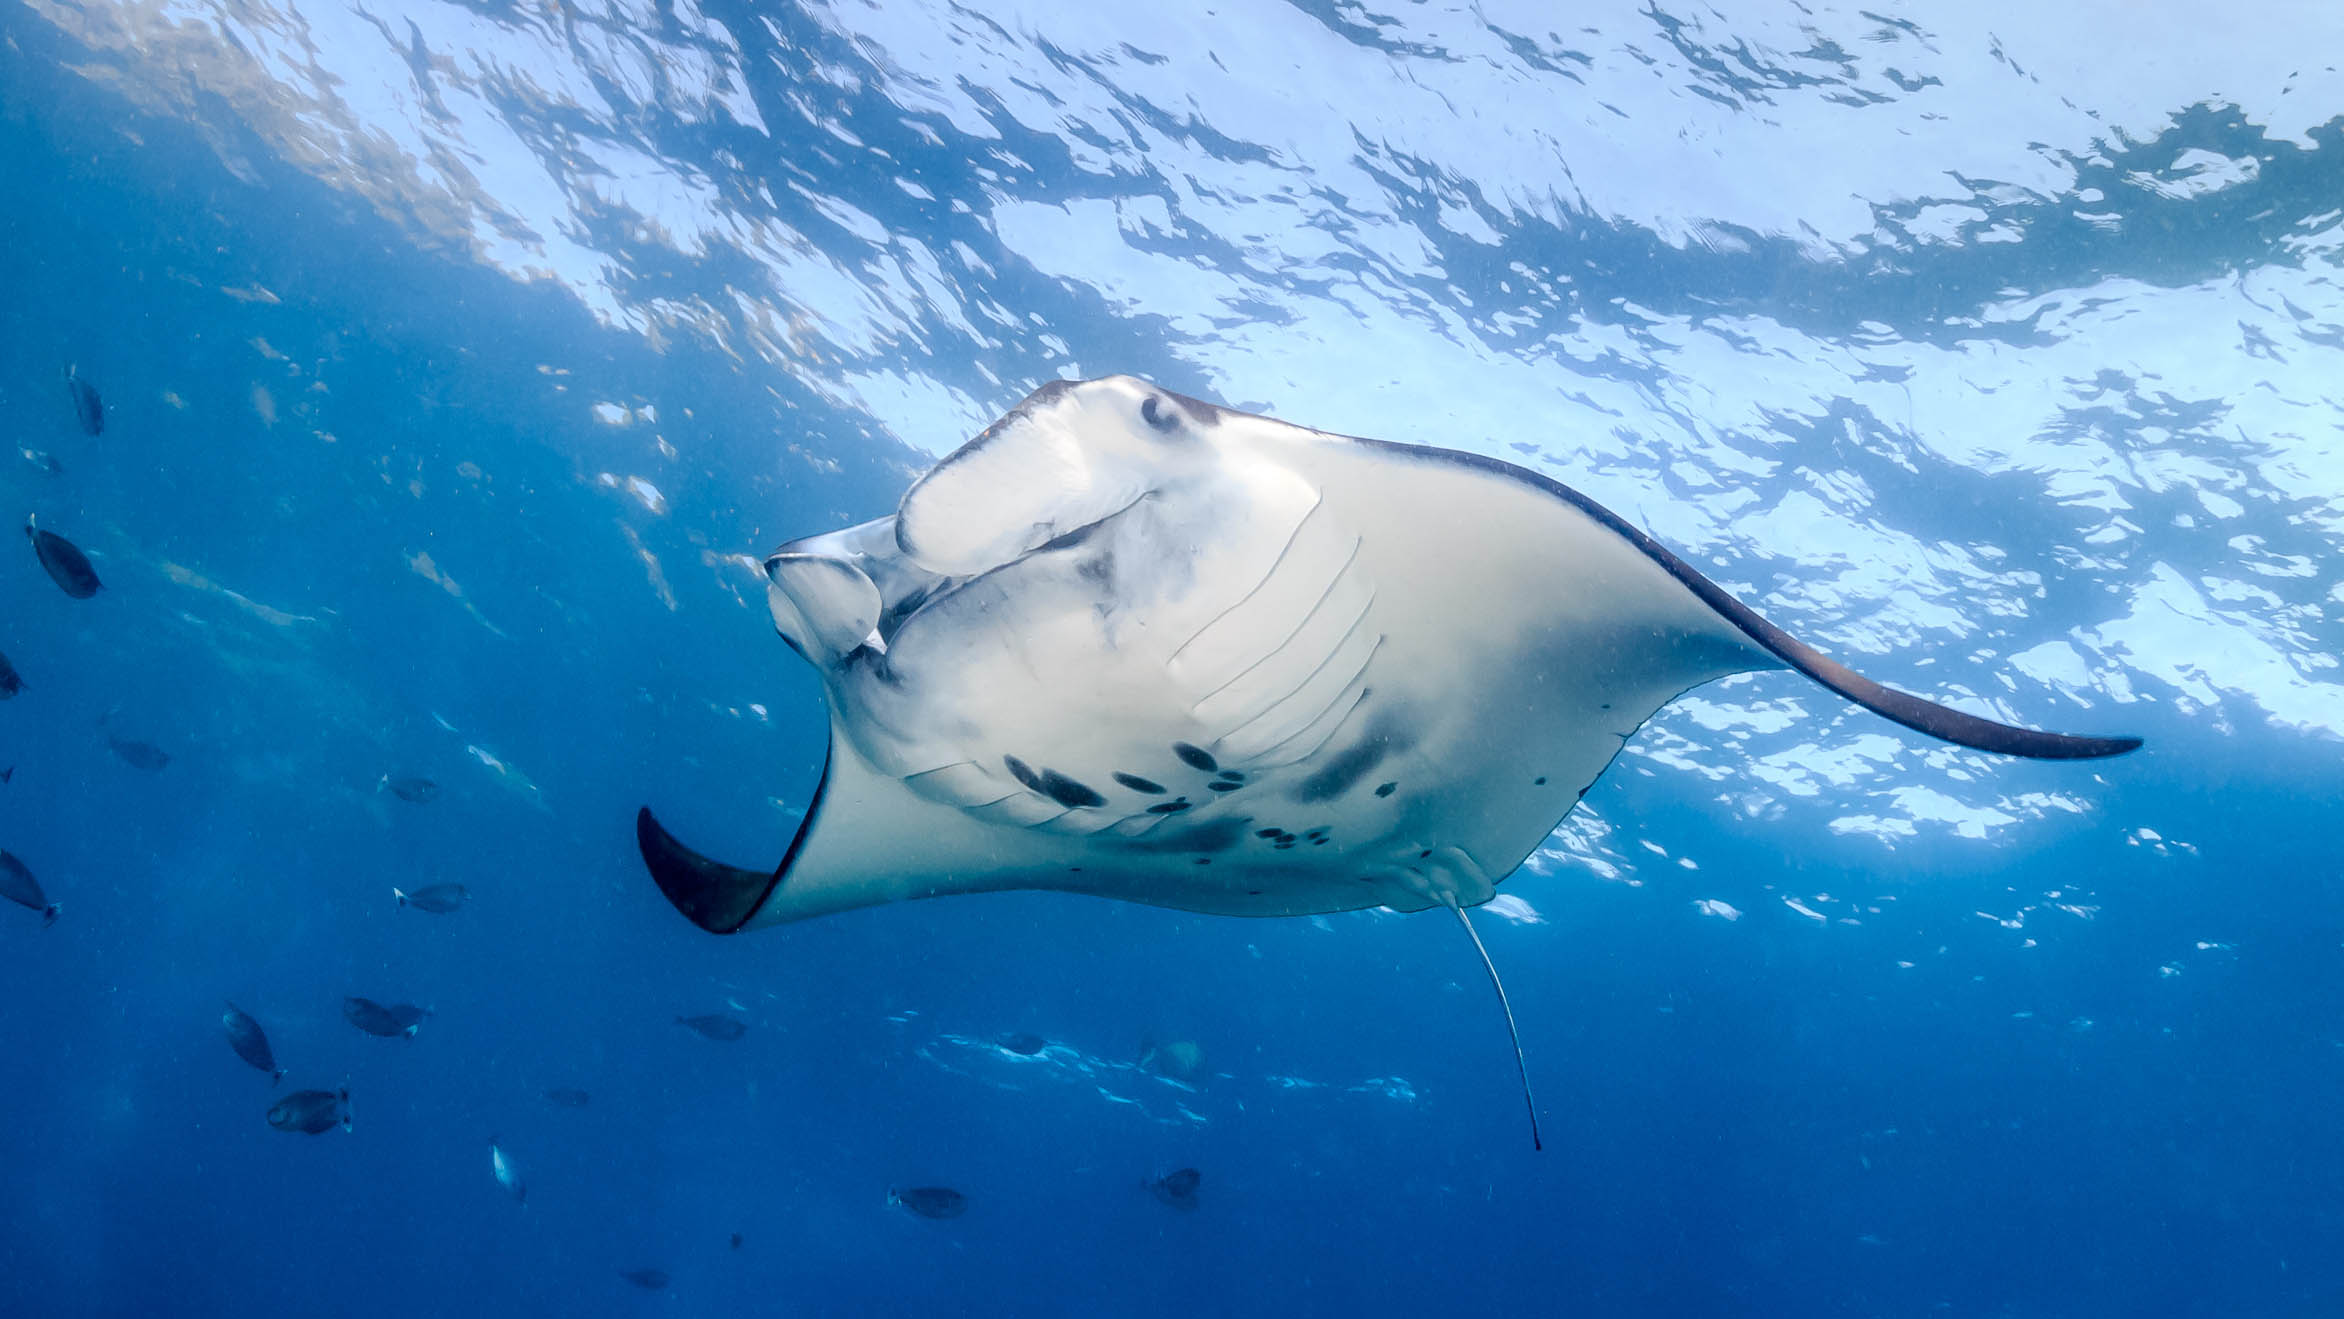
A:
1511, 1033
716, 897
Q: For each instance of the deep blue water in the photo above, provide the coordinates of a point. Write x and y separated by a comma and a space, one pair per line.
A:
454, 356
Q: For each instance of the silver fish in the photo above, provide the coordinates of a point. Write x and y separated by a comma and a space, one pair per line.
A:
507, 1175
438, 899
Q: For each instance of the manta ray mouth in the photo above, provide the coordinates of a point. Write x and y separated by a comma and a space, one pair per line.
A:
717, 897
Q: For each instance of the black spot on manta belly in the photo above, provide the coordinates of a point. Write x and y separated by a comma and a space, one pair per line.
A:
1138, 784
1068, 792
1023, 772
1538, 782
1169, 807
1206, 836
1223, 785
1267, 833
1385, 789
1345, 769
1196, 756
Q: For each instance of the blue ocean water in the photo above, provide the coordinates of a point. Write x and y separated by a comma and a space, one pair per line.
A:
459, 360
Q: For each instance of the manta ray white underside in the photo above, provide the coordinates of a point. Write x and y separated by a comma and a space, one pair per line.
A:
1132, 644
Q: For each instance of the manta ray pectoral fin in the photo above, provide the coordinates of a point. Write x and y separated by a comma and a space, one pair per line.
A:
714, 896
1913, 712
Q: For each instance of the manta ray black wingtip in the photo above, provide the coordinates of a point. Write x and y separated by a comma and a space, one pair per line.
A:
712, 895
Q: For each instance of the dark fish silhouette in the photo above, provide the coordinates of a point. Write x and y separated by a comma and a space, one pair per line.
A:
88, 408
18, 886
10, 682
568, 1097
66, 564
312, 1111
137, 754
412, 789
1177, 1189
1022, 1044
650, 1280
736, 1244
438, 899
715, 1026
250, 1042
929, 1201
388, 1022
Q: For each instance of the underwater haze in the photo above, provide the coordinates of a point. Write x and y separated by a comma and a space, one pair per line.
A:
425, 381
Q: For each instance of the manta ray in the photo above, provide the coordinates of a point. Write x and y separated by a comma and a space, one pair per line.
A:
1137, 645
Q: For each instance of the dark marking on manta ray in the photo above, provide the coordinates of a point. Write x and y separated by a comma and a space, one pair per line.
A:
1169, 807
1233, 775
1538, 782
1223, 785
1344, 769
1385, 789
1268, 833
1138, 784
1196, 756
1204, 861
1206, 836
1024, 772
1068, 792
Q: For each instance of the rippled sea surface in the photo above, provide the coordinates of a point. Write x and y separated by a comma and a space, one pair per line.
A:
460, 359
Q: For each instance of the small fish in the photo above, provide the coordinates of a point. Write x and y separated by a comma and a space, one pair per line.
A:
250, 1042
438, 899
10, 682
736, 1241
137, 754
312, 1111
507, 1175
375, 1019
410, 788
1177, 1189
930, 1201
568, 1097
18, 886
66, 564
1022, 1044
1179, 1060
88, 408
715, 1026
650, 1280
43, 462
